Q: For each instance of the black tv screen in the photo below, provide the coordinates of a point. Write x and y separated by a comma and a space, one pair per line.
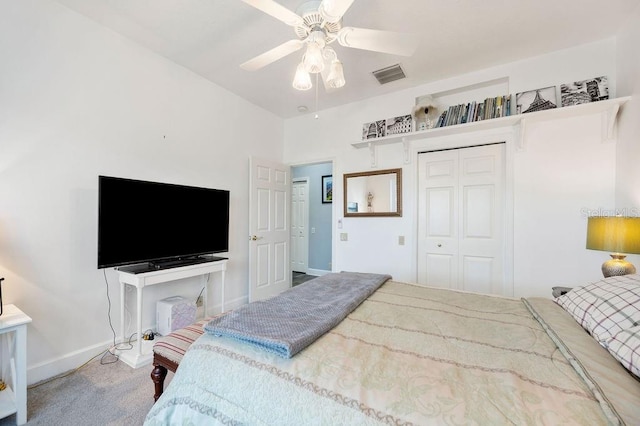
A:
140, 221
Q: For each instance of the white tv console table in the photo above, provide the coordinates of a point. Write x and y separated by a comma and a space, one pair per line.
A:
136, 357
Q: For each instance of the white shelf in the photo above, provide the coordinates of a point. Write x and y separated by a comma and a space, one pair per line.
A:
7, 402
609, 108
12, 317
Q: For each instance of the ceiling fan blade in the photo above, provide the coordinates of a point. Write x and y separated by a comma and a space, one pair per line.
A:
272, 55
378, 41
276, 10
334, 10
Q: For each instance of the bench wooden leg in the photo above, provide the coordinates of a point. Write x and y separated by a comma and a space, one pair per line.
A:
158, 374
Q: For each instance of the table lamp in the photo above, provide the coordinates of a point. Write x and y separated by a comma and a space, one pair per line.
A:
619, 236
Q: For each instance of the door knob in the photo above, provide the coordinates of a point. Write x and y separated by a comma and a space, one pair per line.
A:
439, 245
254, 238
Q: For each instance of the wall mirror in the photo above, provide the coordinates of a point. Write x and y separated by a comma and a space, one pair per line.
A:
373, 193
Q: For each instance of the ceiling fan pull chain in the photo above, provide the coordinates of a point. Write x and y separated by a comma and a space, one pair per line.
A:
316, 116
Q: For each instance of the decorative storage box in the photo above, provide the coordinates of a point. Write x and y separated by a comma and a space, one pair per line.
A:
174, 313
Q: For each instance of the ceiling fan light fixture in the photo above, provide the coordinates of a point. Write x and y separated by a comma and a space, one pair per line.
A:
302, 79
336, 79
332, 10
312, 59
317, 24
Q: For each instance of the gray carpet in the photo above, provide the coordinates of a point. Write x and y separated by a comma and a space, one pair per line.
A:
111, 394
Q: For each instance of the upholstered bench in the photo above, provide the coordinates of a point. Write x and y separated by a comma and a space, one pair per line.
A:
169, 350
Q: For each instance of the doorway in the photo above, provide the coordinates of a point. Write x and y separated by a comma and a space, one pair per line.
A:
311, 219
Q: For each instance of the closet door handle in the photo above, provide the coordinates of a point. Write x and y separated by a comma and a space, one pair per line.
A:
254, 238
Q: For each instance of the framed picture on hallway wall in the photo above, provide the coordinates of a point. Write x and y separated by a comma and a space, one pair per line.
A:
327, 188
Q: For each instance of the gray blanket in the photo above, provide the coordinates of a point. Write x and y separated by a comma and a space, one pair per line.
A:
291, 321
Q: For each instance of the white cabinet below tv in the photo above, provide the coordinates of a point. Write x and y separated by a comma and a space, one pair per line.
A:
139, 355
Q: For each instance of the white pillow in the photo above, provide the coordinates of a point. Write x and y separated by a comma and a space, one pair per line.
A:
625, 346
606, 307
616, 311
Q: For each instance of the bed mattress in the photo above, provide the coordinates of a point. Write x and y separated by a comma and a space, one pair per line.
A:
412, 355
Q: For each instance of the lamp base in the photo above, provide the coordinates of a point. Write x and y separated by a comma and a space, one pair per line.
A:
617, 266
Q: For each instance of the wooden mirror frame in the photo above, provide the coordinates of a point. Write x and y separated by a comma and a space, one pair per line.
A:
397, 213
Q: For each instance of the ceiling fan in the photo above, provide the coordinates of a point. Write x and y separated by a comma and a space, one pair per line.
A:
317, 24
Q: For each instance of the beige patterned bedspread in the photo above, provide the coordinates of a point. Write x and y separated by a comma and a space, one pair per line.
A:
407, 355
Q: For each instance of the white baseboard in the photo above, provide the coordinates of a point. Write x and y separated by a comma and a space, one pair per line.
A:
235, 303
53, 367
56, 366
317, 272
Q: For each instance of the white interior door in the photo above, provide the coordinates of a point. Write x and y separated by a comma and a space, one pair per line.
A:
300, 226
438, 219
269, 209
461, 219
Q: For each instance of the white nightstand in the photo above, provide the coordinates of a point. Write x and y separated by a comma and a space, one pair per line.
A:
559, 291
13, 334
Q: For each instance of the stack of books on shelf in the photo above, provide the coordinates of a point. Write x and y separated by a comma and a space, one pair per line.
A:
500, 106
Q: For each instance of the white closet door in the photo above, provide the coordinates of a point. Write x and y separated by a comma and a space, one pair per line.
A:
299, 226
461, 219
438, 219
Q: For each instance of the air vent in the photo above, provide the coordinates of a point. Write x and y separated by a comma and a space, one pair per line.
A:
389, 74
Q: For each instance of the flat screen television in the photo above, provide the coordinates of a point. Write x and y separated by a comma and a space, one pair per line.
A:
156, 223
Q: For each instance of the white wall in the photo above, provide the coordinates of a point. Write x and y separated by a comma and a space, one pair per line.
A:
628, 154
563, 169
565, 172
76, 101
628, 62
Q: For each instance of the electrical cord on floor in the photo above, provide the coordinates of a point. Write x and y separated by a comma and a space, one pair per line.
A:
128, 346
199, 298
68, 373
104, 355
109, 352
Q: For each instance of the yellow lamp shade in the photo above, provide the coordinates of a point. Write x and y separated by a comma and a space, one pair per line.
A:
614, 234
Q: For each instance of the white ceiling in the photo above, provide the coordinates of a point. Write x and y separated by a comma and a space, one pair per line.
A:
213, 37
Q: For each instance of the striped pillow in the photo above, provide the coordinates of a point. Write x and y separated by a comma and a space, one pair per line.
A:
625, 346
606, 307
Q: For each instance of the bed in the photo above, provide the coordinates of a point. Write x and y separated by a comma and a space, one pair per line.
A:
409, 354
